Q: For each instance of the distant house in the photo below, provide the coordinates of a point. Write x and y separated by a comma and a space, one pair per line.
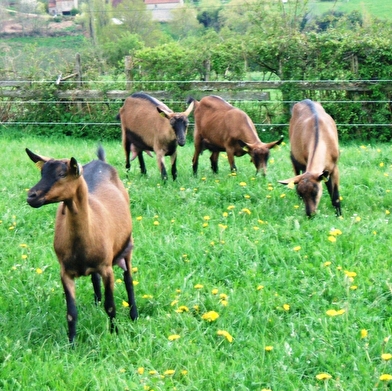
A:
62, 7
160, 9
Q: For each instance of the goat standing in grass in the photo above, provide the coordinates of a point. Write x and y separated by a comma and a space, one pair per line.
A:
93, 229
315, 153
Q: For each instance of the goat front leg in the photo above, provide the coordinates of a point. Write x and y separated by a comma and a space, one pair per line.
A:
96, 280
230, 158
161, 164
214, 161
72, 312
173, 159
333, 190
110, 307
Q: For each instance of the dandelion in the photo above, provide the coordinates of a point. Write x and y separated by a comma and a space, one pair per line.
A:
134, 269
38, 270
270, 187
139, 218
260, 287
205, 225
173, 303
230, 207
24, 256
282, 195
350, 274
173, 337
323, 376
182, 308
206, 218
357, 219
268, 348
225, 334
296, 206
335, 232
328, 263
332, 239
224, 302
364, 333
119, 281
134, 283
147, 296
182, 188
243, 184
125, 303
198, 286
291, 185
23, 245
184, 372
353, 287
297, 248
246, 210
169, 372
381, 164
335, 313
214, 291
286, 307
156, 222
247, 196
222, 226
140, 370
387, 212
225, 214
122, 370
386, 356
385, 377
210, 316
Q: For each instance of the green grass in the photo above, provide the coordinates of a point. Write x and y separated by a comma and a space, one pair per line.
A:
247, 253
378, 8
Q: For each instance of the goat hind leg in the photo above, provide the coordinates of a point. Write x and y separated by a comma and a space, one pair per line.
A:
109, 305
72, 312
96, 280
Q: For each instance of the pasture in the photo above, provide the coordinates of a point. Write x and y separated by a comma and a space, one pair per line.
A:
236, 288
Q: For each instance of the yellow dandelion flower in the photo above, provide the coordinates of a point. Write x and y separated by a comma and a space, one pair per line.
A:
24, 256
296, 206
224, 302
140, 370
182, 188
243, 184
357, 219
23, 245
353, 287
335, 232
335, 313
323, 376
184, 372
134, 283
286, 307
134, 269
386, 356
125, 303
328, 263
205, 225
222, 226
247, 196
381, 164
256, 228
156, 222
210, 316
215, 291
387, 212
173, 337
246, 210
268, 348
364, 333
225, 334
385, 377
196, 307
122, 370
212, 243
350, 274
332, 239
225, 214
182, 308
38, 270
169, 372
173, 303
282, 195
152, 372
206, 218
270, 188
291, 185
198, 286
139, 218
230, 207
297, 248
147, 296
223, 296
260, 287
119, 281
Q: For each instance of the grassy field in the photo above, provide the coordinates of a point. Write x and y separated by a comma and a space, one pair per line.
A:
302, 304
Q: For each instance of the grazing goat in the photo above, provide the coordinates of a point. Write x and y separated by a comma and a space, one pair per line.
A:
221, 127
93, 227
315, 153
149, 125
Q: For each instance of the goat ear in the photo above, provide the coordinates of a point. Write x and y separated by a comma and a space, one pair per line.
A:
163, 112
274, 143
293, 180
75, 168
38, 160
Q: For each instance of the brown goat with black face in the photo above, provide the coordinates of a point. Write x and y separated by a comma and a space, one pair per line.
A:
147, 125
93, 227
315, 153
220, 127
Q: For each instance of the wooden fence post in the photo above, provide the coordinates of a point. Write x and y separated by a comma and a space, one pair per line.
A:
128, 72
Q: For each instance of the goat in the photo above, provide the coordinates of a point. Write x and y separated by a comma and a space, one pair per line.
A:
147, 125
93, 230
315, 153
219, 127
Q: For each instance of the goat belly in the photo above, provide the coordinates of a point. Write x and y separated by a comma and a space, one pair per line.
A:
138, 141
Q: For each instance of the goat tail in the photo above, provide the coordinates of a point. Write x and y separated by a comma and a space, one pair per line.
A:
101, 153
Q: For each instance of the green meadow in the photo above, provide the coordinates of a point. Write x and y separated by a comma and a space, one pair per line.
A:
236, 288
